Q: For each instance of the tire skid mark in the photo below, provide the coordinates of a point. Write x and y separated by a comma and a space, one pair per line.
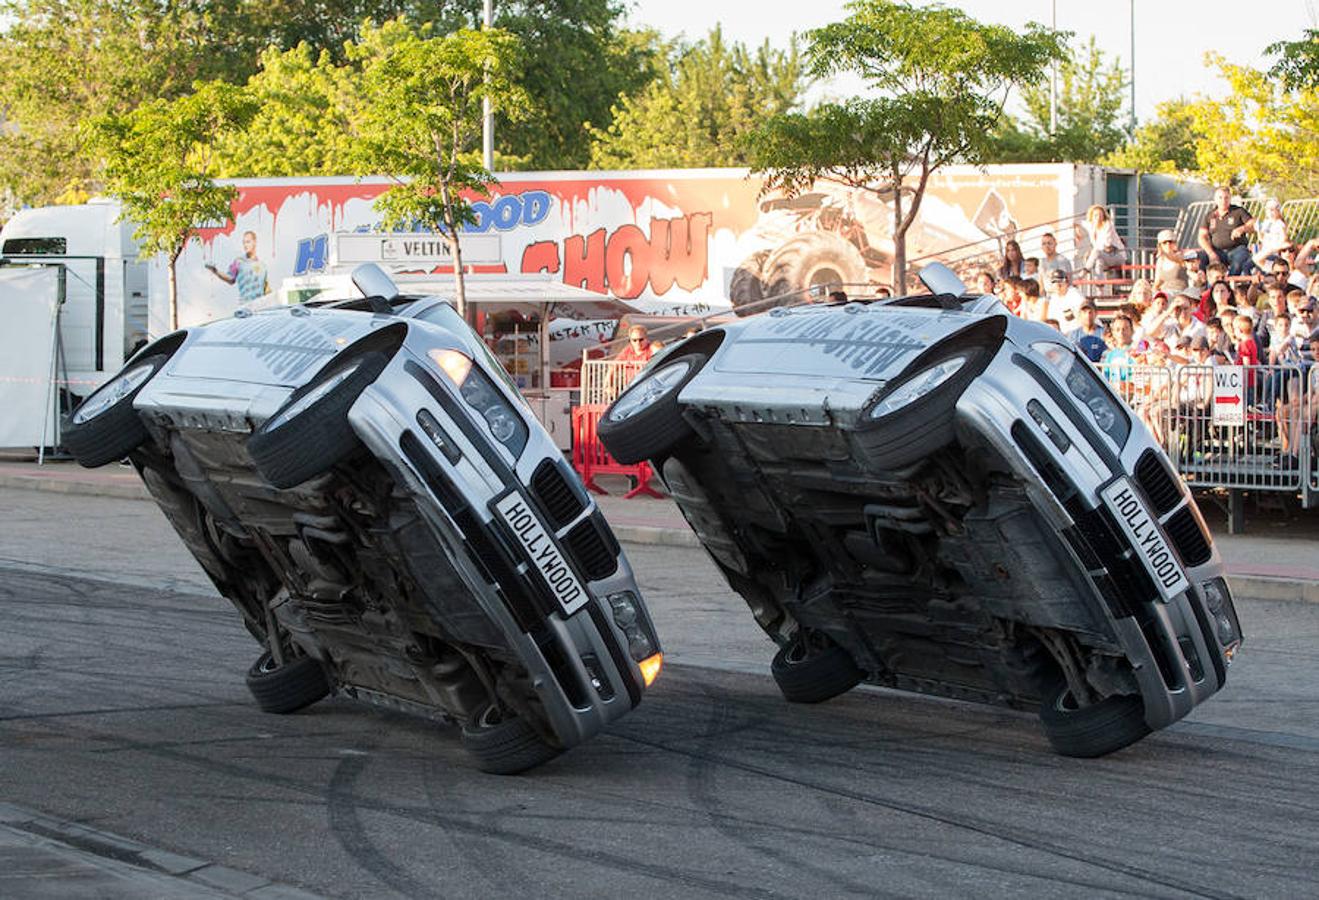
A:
348, 830
702, 789
966, 824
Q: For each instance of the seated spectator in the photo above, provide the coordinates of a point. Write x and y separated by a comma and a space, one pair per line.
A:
1247, 354
1187, 324
1218, 339
1218, 296
1051, 259
1272, 231
985, 282
1195, 274
1140, 295
1107, 251
1030, 300
1284, 346
1297, 407
1225, 234
1064, 301
1157, 321
1118, 359
1010, 265
1169, 266
1030, 268
1088, 335
1309, 319
638, 347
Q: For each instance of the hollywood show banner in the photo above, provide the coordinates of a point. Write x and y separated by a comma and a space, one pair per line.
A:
678, 242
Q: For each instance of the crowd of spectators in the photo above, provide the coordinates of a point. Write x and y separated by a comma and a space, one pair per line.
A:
1245, 295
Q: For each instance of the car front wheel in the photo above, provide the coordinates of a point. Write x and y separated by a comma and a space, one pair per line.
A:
286, 688
646, 422
812, 671
503, 744
1095, 730
105, 427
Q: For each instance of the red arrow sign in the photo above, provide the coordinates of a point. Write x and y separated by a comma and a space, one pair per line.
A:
1230, 401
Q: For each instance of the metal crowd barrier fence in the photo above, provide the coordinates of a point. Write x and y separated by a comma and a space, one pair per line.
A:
1261, 437
604, 379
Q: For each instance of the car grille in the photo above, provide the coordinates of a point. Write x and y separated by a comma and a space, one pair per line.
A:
1159, 484
1188, 537
596, 556
527, 610
555, 494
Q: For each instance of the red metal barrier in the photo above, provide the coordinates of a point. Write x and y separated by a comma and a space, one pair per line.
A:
590, 458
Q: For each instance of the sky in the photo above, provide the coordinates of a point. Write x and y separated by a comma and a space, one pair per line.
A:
1172, 36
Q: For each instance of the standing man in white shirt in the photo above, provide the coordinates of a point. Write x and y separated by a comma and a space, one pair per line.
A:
1064, 300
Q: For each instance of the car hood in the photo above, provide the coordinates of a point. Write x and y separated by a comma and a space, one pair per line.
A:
278, 347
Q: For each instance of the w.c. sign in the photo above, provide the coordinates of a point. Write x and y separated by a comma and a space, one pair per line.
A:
1229, 395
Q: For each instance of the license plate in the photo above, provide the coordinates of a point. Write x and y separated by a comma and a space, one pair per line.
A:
536, 541
1143, 532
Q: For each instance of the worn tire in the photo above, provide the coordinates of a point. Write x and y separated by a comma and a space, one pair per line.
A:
310, 433
814, 678
910, 434
504, 746
747, 287
1096, 730
287, 688
96, 436
653, 430
810, 259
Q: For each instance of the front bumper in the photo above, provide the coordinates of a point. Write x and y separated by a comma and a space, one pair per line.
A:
578, 661
1065, 461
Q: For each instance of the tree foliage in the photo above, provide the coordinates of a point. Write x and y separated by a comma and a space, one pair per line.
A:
159, 164
421, 124
706, 96
64, 61
1297, 66
1089, 112
942, 78
1261, 133
1166, 144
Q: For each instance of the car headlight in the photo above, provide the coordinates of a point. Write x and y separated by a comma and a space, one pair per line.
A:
917, 386
1218, 599
629, 620
480, 393
1086, 385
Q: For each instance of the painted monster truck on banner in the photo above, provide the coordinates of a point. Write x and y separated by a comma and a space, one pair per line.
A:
675, 242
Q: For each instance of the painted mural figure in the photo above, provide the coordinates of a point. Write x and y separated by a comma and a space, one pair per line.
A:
247, 272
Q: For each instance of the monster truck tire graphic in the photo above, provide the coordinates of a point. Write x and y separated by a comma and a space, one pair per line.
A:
747, 288
813, 258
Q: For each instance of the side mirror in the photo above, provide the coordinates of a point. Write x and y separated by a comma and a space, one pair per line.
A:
374, 281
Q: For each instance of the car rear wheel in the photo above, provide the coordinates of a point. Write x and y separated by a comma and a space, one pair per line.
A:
288, 688
105, 427
646, 422
916, 417
1095, 730
503, 744
310, 433
814, 671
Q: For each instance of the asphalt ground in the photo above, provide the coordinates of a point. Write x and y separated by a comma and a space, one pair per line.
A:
123, 711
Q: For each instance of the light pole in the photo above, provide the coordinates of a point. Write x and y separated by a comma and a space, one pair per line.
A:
1132, 129
1053, 80
487, 115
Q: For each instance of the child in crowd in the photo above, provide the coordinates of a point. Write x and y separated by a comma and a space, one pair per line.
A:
1031, 268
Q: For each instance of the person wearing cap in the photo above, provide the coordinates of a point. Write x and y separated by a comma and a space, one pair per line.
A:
1225, 234
1170, 266
1157, 321
1307, 319
1064, 300
1088, 335
1183, 310
1272, 231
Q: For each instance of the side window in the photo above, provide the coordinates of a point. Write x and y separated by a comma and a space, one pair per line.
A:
51, 246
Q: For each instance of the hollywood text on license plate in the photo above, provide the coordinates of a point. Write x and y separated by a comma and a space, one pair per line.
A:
542, 552
1145, 537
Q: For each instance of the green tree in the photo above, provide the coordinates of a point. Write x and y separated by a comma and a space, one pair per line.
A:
159, 164
64, 61
421, 125
942, 79
1089, 110
710, 93
1297, 65
1166, 144
1261, 133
